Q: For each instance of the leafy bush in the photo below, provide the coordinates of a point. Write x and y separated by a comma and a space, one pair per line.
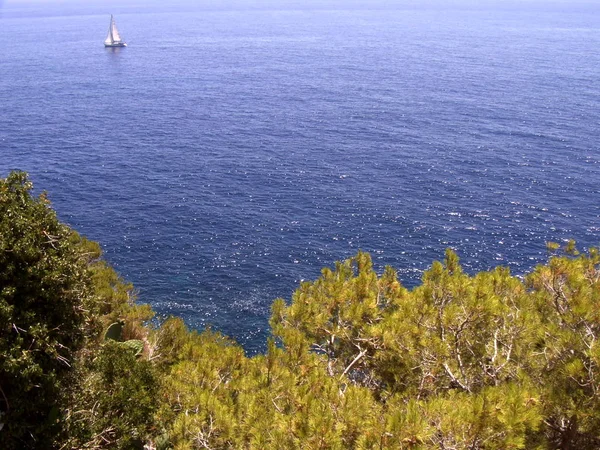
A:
44, 287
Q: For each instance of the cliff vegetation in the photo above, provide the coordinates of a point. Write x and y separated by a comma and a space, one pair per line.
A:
355, 360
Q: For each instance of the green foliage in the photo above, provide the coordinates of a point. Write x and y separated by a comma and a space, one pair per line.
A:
462, 361
567, 295
114, 332
226, 400
134, 345
56, 296
356, 361
44, 288
123, 394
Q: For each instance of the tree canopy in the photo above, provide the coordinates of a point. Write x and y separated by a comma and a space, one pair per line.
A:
44, 289
355, 360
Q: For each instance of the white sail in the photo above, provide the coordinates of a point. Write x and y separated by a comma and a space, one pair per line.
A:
113, 31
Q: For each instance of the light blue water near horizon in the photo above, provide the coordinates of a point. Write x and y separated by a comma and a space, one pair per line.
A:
233, 150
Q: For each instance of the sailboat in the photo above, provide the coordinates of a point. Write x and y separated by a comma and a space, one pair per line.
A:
113, 39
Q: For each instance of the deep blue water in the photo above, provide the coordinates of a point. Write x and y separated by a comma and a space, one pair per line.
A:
231, 151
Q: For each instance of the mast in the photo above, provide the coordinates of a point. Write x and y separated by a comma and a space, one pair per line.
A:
109, 38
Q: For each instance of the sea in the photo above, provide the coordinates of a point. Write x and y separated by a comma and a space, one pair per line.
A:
235, 148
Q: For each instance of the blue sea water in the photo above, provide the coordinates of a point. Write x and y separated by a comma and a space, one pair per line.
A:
235, 149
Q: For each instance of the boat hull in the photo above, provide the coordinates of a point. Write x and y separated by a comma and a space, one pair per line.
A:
120, 44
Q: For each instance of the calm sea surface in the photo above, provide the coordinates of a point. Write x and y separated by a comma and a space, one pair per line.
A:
230, 152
